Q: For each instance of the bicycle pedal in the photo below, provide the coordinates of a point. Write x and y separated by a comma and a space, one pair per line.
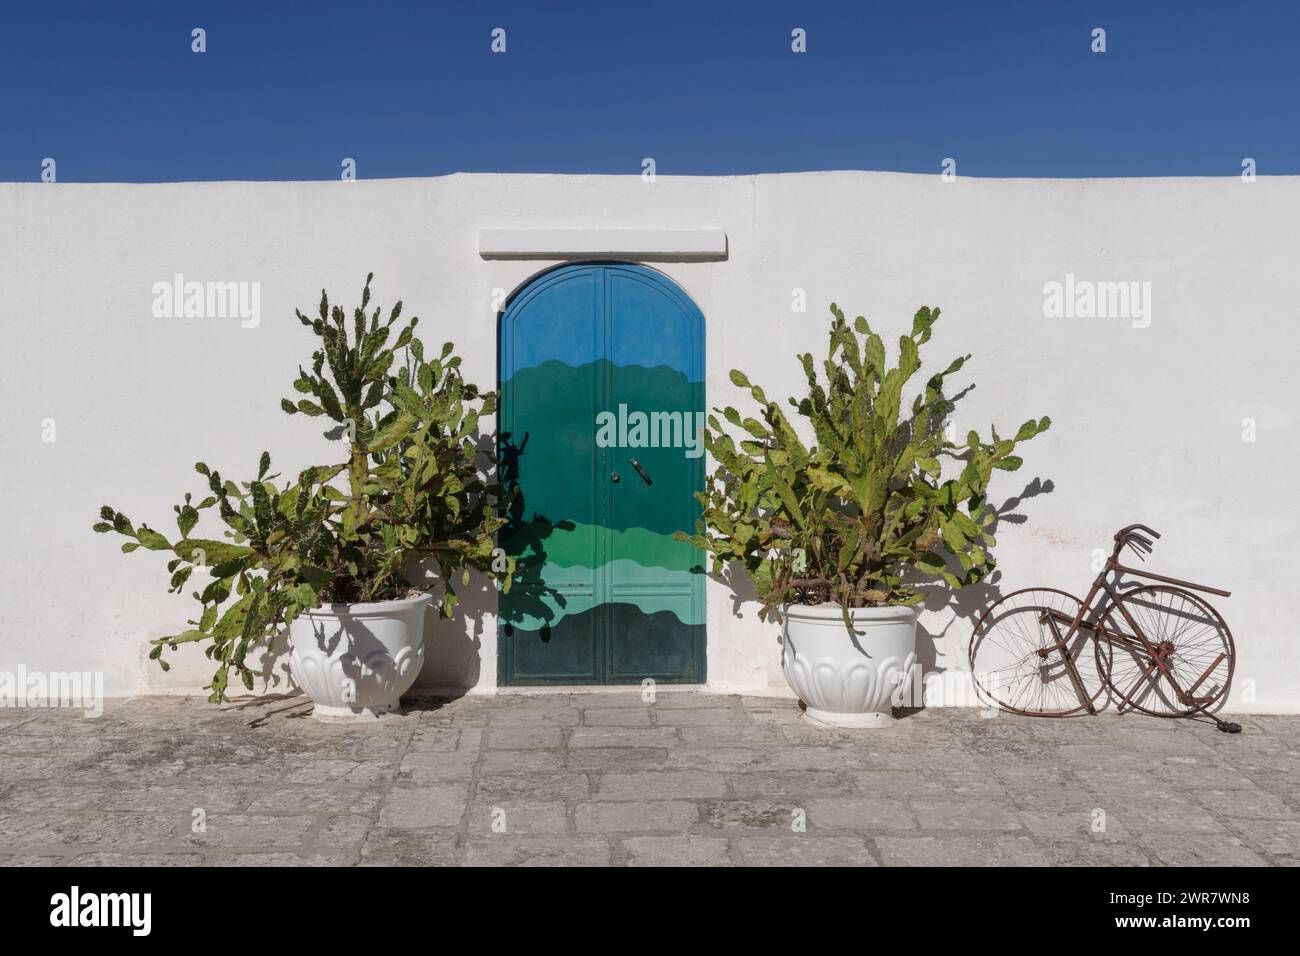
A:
1229, 728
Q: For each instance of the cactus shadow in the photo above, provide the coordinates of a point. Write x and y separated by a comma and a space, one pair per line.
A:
453, 660
943, 649
271, 665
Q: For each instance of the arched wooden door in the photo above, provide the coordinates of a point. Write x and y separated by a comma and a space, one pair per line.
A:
601, 371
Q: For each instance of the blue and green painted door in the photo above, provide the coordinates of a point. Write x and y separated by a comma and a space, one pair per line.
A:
602, 407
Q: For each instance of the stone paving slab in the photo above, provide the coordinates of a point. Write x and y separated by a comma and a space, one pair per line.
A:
692, 779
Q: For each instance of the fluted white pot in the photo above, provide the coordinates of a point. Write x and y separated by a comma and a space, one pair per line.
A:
848, 680
357, 660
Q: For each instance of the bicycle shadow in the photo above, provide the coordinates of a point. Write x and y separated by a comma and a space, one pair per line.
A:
943, 650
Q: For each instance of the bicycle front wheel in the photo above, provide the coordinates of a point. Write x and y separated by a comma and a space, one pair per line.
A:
1006, 664
1182, 630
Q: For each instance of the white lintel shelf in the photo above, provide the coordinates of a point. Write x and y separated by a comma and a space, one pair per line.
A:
664, 245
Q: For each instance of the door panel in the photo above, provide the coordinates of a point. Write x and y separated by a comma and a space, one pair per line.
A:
656, 353
548, 453
602, 366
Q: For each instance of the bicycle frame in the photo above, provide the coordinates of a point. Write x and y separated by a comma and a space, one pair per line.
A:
1136, 642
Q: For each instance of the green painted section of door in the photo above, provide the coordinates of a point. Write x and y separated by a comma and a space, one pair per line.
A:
602, 401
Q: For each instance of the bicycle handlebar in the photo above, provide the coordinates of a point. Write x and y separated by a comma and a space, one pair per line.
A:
1125, 532
1132, 537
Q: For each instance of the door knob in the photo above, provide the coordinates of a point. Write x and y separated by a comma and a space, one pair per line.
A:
613, 476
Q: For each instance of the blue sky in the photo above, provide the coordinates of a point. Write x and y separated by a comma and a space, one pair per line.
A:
287, 90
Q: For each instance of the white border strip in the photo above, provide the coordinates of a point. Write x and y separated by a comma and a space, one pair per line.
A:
669, 244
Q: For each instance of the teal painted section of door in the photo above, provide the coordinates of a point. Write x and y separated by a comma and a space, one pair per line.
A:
601, 371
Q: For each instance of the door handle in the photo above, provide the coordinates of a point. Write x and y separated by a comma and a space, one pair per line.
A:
641, 471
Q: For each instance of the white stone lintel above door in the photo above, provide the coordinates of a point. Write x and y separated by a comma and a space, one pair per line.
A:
664, 245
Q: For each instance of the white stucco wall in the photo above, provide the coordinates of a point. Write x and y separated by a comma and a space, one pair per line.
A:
1148, 422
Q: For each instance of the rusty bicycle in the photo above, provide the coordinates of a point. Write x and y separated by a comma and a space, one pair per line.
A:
1156, 648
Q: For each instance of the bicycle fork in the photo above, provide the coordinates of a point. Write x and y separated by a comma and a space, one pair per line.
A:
1063, 645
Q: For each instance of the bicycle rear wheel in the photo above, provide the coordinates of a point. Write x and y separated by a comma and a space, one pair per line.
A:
1191, 637
1008, 669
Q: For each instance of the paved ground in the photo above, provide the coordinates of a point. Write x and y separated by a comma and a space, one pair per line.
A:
600, 779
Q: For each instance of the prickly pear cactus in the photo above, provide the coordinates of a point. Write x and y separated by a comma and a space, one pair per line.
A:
863, 515
410, 488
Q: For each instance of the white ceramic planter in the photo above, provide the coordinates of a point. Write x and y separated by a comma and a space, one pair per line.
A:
356, 660
843, 680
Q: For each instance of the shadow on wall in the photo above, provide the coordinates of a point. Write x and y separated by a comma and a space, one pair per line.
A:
453, 646
970, 603
272, 666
